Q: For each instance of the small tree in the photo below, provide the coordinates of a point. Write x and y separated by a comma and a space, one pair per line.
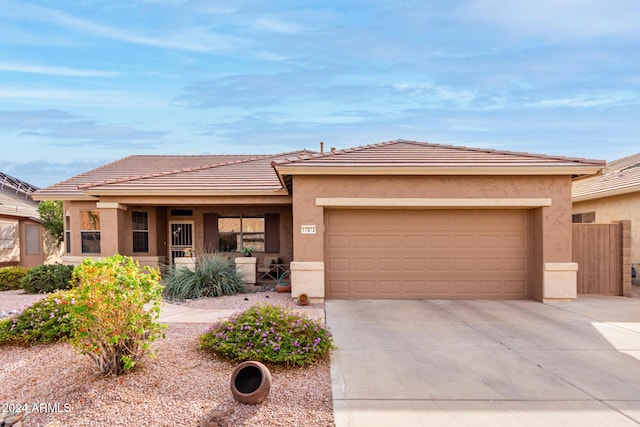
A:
52, 218
110, 322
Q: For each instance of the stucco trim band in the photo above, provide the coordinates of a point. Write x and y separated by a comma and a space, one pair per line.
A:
111, 205
366, 202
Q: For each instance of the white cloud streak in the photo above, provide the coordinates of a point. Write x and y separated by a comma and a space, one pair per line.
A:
55, 71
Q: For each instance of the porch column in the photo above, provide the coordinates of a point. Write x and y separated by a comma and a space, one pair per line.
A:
112, 228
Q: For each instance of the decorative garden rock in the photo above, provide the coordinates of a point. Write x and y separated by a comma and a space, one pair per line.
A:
250, 382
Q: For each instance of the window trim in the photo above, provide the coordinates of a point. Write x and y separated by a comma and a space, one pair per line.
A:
28, 247
139, 231
14, 230
94, 232
241, 217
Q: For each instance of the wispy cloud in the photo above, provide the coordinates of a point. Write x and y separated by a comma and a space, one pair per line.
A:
44, 173
276, 25
32, 119
554, 19
65, 129
191, 38
55, 71
95, 133
77, 97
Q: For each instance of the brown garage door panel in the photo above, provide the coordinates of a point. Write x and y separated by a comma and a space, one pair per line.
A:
427, 254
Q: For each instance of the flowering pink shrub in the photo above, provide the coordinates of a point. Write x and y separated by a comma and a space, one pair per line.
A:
269, 333
46, 320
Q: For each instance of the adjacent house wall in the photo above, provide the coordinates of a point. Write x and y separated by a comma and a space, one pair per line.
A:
551, 247
19, 253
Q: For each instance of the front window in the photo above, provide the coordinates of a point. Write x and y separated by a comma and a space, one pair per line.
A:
32, 237
67, 234
7, 235
240, 232
140, 226
90, 231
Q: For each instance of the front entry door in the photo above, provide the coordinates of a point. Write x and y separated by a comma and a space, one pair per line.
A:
181, 238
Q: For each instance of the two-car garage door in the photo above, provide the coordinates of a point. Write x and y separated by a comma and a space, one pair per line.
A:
427, 254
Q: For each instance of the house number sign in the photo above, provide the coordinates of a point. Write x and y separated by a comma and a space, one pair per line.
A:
308, 229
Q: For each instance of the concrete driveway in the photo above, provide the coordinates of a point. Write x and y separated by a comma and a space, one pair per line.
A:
486, 363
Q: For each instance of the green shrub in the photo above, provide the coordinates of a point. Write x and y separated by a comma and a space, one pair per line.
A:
213, 276
44, 321
110, 322
47, 278
269, 333
10, 278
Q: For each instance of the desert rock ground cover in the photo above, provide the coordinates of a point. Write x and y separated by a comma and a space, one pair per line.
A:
177, 388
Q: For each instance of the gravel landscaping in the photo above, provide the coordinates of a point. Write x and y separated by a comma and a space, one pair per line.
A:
177, 388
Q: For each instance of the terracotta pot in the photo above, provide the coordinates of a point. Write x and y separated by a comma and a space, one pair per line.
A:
283, 288
250, 382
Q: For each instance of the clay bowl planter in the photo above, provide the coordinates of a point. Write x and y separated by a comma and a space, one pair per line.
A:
250, 382
284, 287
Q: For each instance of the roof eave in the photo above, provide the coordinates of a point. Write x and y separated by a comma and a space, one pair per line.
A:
439, 170
182, 192
61, 196
606, 193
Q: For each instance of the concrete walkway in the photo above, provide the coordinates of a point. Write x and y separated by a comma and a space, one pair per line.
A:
174, 313
486, 363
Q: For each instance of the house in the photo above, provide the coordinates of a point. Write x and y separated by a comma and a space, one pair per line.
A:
611, 196
399, 219
21, 235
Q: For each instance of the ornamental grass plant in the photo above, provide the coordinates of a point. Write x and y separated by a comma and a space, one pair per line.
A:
213, 276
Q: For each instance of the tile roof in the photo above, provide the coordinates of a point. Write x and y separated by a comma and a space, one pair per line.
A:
403, 153
172, 174
618, 177
17, 205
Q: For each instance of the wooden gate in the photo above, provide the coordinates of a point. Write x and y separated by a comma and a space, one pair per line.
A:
597, 248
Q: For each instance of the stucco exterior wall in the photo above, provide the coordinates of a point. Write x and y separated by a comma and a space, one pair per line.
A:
116, 233
552, 223
609, 209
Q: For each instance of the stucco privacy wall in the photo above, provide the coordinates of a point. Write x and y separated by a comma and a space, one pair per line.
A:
615, 208
551, 243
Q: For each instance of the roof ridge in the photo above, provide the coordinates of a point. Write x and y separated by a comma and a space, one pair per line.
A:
252, 158
448, 146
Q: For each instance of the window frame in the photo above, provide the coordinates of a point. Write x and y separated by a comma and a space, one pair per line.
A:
13, 226
91, 232
584, 218
135, 231
32, 248
241, 233
67, 233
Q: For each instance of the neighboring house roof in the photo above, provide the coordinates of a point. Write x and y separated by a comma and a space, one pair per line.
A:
620, 176
173, 175
15, 198
422, 158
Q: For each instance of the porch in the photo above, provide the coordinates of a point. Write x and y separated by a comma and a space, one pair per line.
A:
159, 235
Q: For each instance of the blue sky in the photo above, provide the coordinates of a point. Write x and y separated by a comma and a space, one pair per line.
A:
85, 83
